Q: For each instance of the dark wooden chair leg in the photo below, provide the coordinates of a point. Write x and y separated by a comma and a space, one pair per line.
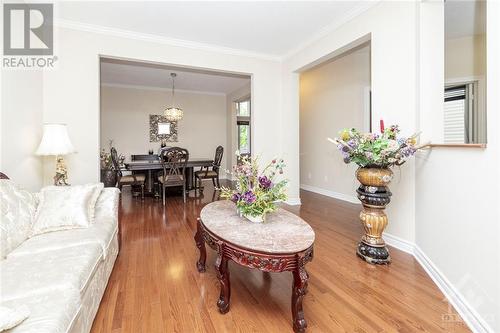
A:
221, 267
142, 192
218, 182
213, 182
200, 244
200, 185
163, 190
184, 192
300, 278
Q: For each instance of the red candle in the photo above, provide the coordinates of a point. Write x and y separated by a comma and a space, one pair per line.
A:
381, 126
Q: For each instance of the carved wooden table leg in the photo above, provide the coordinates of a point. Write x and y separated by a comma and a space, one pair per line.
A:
300, 278
221, 266
200, 244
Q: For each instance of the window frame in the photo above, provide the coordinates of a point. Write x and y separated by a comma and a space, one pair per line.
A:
471, 107
244, 121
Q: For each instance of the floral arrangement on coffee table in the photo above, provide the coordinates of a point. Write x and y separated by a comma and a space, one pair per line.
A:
256, 193
374, 150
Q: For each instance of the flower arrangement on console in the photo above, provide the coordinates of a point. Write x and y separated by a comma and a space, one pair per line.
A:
256, 192
374, 150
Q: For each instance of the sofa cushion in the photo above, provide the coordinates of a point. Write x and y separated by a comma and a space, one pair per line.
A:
66, 207
51, 312
103, 229
99, 233
62, 269
17, 208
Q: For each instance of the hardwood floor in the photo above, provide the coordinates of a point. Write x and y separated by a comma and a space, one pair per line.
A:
155, 286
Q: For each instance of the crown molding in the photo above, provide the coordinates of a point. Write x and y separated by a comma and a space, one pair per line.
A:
363, 7
139, 87
79, 26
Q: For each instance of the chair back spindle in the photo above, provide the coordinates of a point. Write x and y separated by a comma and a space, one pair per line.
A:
219, 151
174, 161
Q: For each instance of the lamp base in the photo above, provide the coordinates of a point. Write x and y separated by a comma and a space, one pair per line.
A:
61, 177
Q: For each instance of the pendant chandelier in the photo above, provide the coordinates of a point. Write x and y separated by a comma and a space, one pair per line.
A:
173, 113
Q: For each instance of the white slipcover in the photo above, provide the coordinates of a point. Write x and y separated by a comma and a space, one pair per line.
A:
68, 268
17, 208
50, 312
61, 276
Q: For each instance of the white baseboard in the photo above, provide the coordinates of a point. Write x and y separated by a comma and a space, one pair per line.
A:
293, 201
456, 298
331, 194
470, 316
399, 243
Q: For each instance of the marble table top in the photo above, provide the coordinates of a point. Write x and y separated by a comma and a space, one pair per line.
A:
282, 232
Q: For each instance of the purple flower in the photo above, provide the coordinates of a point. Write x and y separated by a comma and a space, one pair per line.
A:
249, 197
236, 197
265, 182
351, 143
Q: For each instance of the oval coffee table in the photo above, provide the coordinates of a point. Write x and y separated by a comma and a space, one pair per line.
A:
283, 243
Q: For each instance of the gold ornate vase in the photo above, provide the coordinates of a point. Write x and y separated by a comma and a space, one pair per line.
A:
374, 195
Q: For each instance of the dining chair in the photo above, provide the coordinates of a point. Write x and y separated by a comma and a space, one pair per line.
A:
174, 161
205, 173
132, 180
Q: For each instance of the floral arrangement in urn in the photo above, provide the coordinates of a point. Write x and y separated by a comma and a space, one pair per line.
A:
256, 192
376, 150
375, 154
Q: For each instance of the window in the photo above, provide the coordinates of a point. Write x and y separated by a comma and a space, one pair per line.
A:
243, 124
460, 114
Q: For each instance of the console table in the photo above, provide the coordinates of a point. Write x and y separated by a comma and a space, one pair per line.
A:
283, 243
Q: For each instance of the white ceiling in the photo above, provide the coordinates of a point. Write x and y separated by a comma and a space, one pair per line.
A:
127, 73
272, 28
464, 18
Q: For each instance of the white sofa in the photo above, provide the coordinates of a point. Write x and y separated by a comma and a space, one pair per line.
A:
61, 276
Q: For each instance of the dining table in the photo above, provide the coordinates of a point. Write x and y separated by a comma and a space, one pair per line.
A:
151, 167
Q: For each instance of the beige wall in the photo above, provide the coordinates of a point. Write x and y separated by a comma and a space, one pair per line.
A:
332, 97
465, 57
21, 127
465, 60
125, 119
457, 199
78, 62
392, 29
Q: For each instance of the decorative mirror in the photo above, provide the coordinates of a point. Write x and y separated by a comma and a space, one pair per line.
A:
465, 72
162, 129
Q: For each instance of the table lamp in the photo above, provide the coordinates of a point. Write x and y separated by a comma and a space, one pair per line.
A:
55, 142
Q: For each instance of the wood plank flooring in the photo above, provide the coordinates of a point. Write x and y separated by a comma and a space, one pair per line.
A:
155, 286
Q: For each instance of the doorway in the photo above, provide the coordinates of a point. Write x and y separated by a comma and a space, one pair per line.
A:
334, 95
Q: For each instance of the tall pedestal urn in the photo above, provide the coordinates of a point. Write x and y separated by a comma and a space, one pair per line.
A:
374, 195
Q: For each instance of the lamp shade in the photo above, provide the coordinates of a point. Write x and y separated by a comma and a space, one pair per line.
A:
55, 141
